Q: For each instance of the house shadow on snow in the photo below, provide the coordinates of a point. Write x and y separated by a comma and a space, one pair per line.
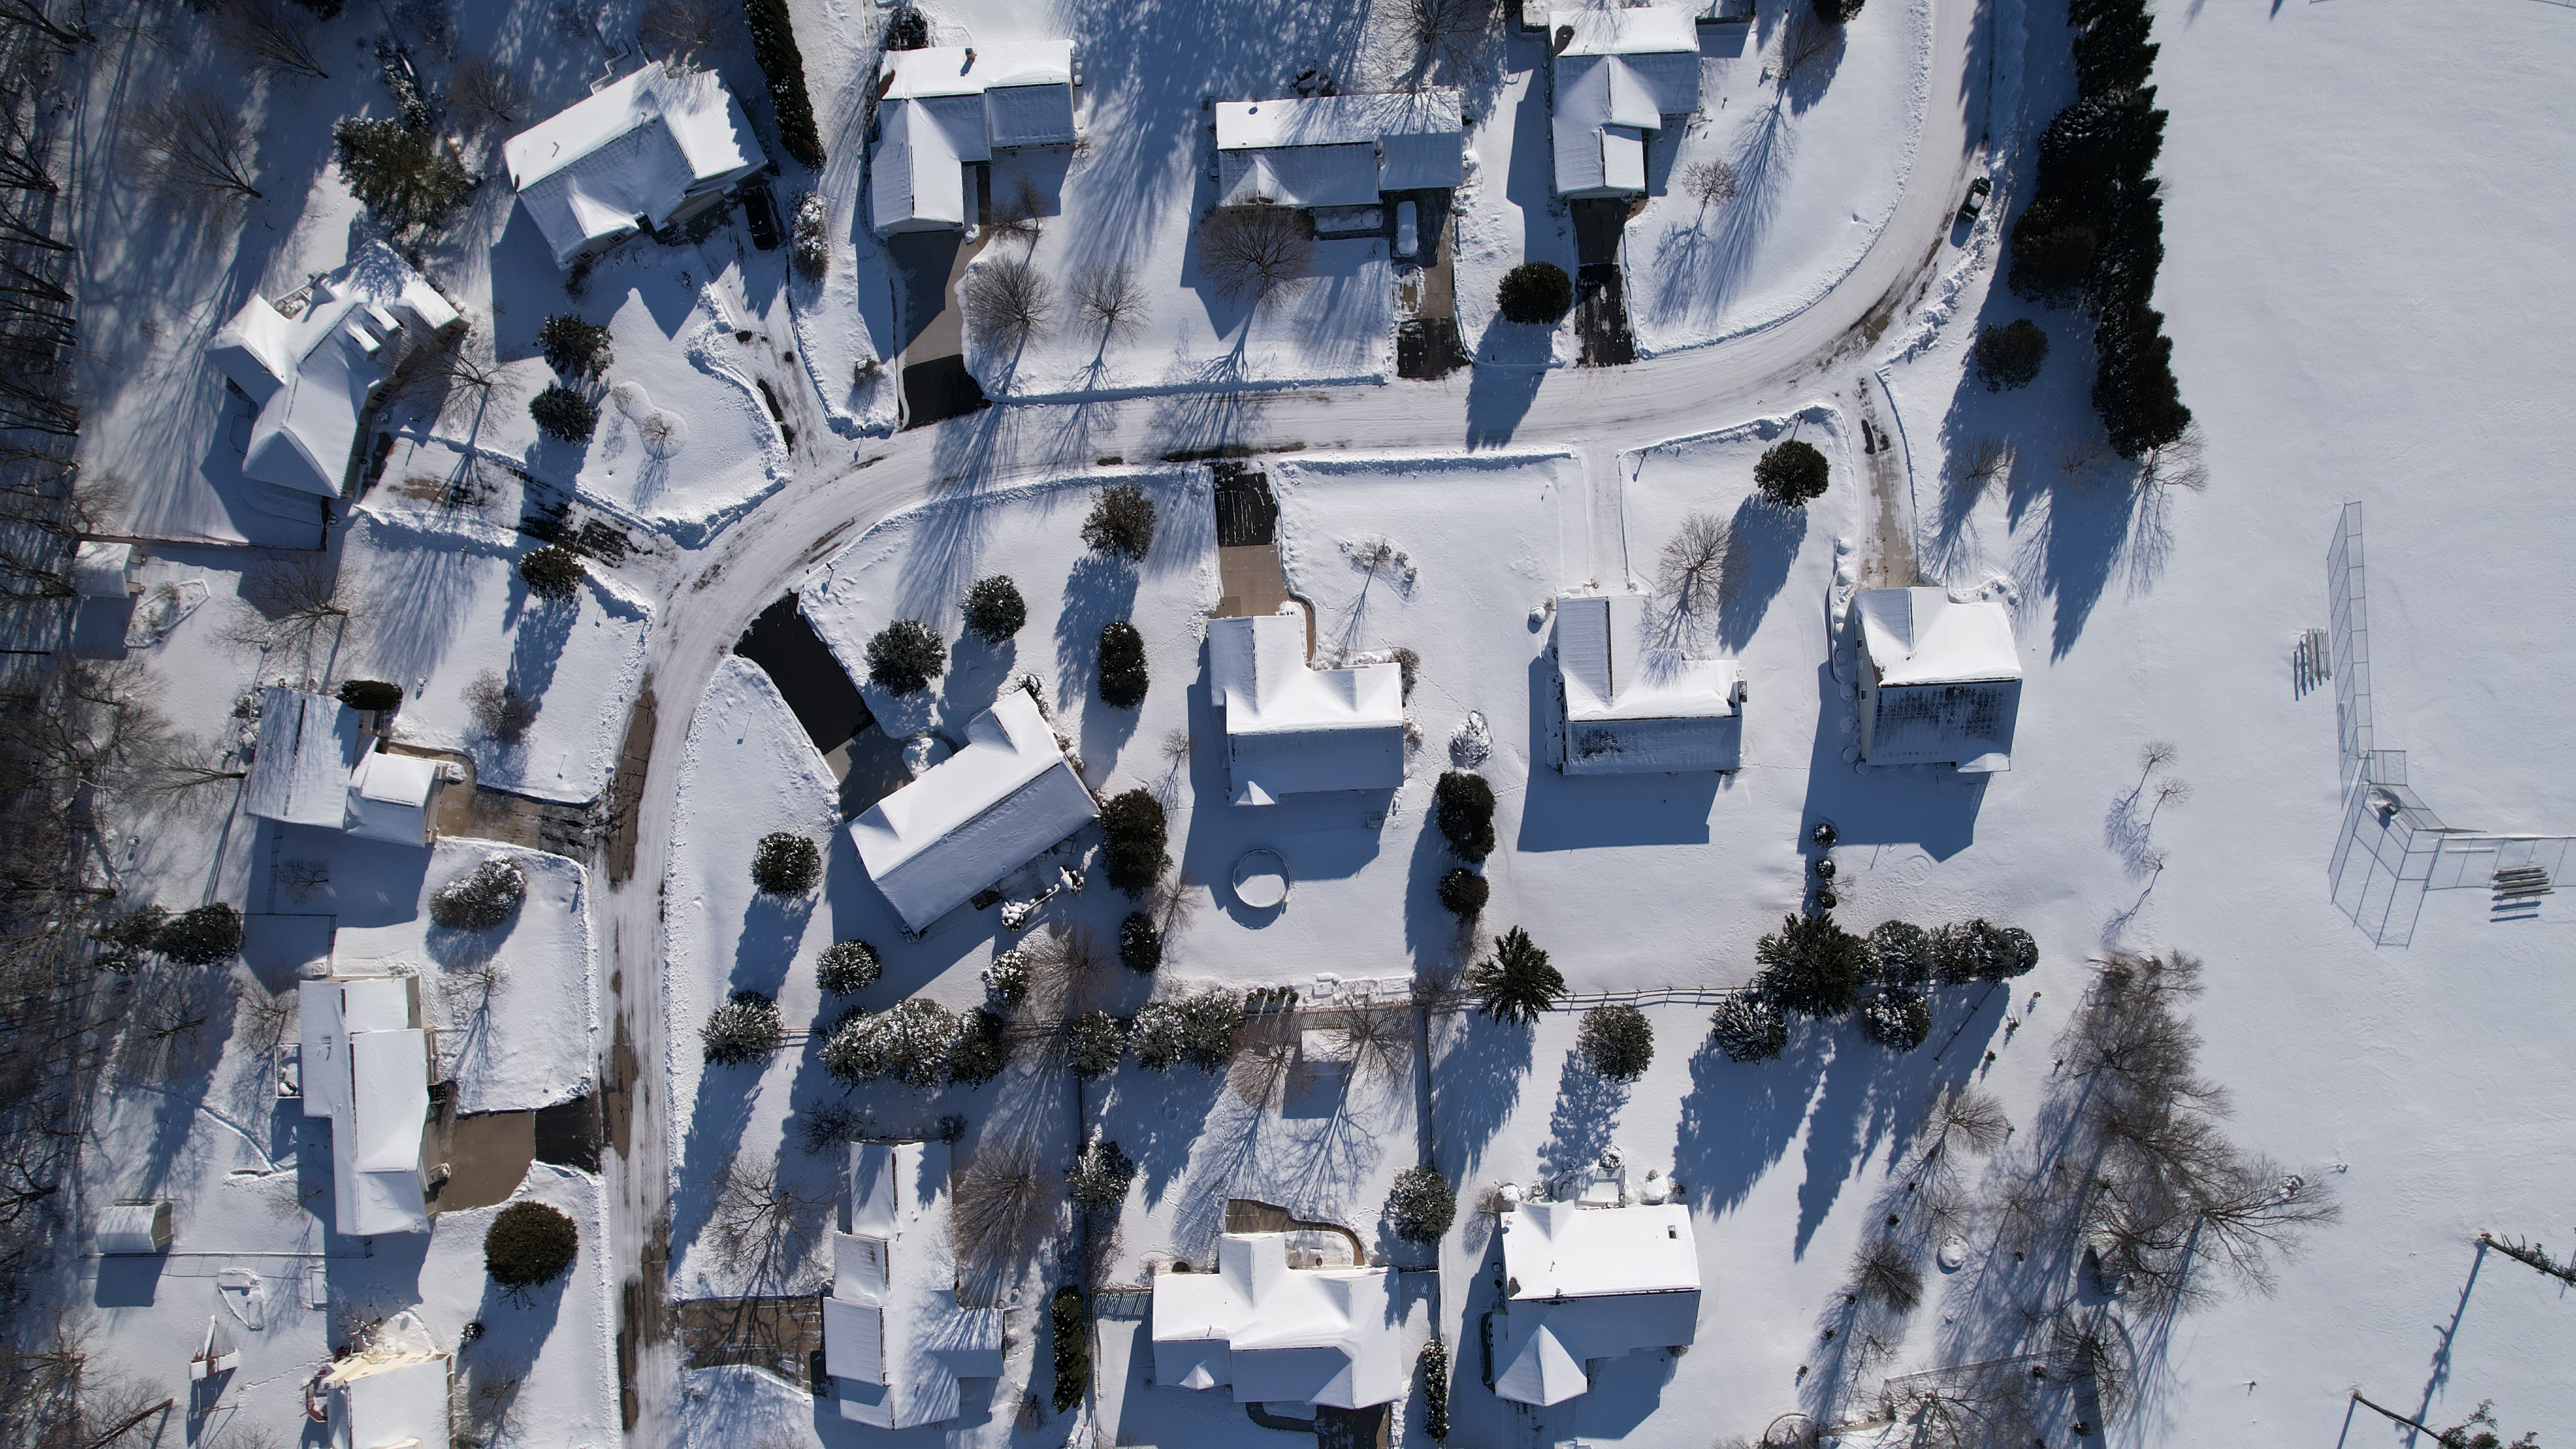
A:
1931, 806
1565, 812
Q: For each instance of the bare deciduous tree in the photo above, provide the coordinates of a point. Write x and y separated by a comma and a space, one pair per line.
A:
292, 602
1694, 563
194, 140
272, 35
1444, 36
1264, 1067
498, 710
1804, 41
1007, 301
1883, 1272
678, 29
1001, 1202
1981, 458
301, 876
460, 377
761, 1224
1019, 213
1380, 1037
1709, 183
1968, 1117
1255, 251
477, 981
1110, 299
487, 97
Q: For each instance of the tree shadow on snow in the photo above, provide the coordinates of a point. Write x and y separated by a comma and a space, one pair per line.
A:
1475, 1083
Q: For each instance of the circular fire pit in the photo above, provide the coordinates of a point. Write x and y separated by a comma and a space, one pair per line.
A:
1261, 880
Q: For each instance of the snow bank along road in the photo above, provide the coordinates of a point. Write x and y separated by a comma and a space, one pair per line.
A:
1596, 412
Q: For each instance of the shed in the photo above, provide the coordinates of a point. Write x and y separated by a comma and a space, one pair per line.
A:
1940, 680
636, 154
99, 570
391, 1394
1634, 707
394, 798
976, 816
134, 1228
307, 746
1292, 729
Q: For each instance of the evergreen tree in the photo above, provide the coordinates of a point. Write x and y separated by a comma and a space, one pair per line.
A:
553, 573
1121, 522
1749, 1028
1791, 472
574, 347
1812, 967
1421, 1205
994, 609
1618, 1041
405, 177
1463, 807
1136, 833
905, 656
1516, 982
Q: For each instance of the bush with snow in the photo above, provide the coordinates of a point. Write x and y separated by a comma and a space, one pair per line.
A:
1537, 293
1137, 832
1123, 676
813, 232
1462, 806
1617, 1041
786, 864
1121, 522
905, 656
744, 1029
1094, 1041
1749, 1028
574, 347
529, 1244
563, 414
847, 968
1421, 1205
1006, 981
1900, 955
994, 609
1197, 1031
481, 898
2009, 356
1140, 942
1100, 1176
1979, 950
1897, 1020
1463, 893
909, 1043
553, 573
981, 1051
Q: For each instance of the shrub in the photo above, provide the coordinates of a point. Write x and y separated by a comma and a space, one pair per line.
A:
1837, 12
1123, 680
553, 573
910, 1042
745, 1028
2133, 383
994, 609
1136, 832
1618, 1041
773, 43
1812, 967
2010, 355
1536, 293
405, 177
1979, 950
1100, 1176
1072, 1346
981, 1050
1749, 1028
1197, 1031
1094, 1041
529, 1244
564, 414
200, 937
1897, 1020
1463, 806
1516, 982
1140, 942
1463, 893
847, 968
481, 898
574, 347
813, 231
1790, 473
1006, 981
785, 864
1421, 1205
374, 694
1121, 522
1900, 955
1435, 1391
2053, 244
905, 656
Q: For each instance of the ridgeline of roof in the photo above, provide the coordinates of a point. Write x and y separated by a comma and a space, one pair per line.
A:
1632, 707
1336, 120
638, 146
976, 816
1921, 636
945, 70
1337, 150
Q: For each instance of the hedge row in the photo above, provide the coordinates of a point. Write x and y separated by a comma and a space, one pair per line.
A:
773, 39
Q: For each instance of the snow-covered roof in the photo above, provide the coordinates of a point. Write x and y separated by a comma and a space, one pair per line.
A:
300, 771
1634, 707
1278, 1334
391, 1394
1590, 1282
1290, 728
310, 375
1337, 150
1623, 72
134, 1227
1944, 685
976, 816
894, 1335
366, 1066
99, 569
942, 108
391, 798
640, 146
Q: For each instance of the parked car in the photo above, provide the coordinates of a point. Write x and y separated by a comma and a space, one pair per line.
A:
1975, 204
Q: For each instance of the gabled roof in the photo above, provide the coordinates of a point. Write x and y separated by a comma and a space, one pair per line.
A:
639, 146
1623, 72
1587, 1283
366, 1066
390, 796
1921, 636
976, 816
1275, 1333
299, 772
1290, 728
894, 1335
1337, 150
1633, 707
941, 108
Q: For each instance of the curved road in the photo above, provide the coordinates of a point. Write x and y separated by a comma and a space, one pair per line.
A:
1593, 412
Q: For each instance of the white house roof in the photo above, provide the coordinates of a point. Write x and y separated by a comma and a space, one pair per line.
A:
1337, 150
366, 1066
1920, 636
99, 569
1278, 1334
299, 773
1623, 72
1586, 1283
916, 180
941, 108
134, 1227
1290, 728
392, 1394
947, 70
1634, 707
976, 816
639, 146
894, 1335
389, 798
310, 375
